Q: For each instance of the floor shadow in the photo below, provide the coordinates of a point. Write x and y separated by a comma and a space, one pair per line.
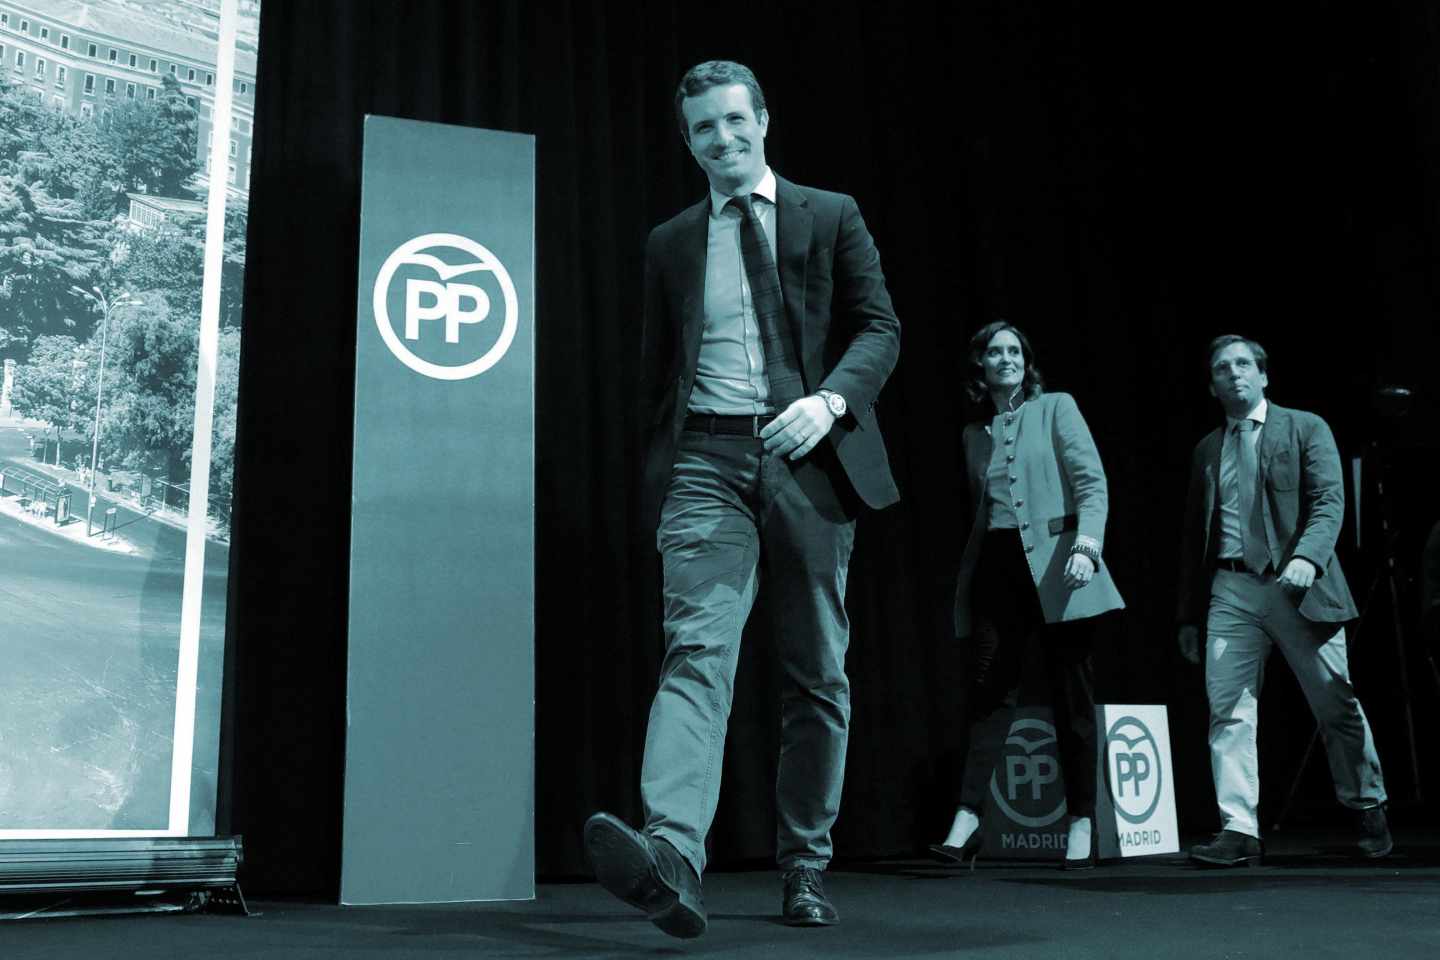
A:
615, 935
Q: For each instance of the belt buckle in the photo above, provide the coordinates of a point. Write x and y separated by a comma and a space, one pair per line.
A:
755, 426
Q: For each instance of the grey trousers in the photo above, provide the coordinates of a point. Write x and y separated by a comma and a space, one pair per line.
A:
1250, 615
728, 501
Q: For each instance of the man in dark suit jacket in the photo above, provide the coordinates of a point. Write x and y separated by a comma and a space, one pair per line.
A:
1258, 568
768, 333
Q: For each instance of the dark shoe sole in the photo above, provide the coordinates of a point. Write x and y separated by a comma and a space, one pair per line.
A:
1377, 854
945, 852
810, 921
1222, 862
624, 867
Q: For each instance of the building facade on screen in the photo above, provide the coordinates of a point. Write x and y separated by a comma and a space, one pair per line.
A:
86, 58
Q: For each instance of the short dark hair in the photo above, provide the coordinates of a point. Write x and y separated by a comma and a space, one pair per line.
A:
1220, 343
975, 387
716, 73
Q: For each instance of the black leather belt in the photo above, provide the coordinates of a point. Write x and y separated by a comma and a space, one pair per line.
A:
1237, 565
736, 425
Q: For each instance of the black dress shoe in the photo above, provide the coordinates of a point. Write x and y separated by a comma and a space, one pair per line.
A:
646, 873
805, 902
969, 850
1228, 849
1375, 839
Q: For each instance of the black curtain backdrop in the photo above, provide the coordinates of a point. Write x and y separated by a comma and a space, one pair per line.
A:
1123, 183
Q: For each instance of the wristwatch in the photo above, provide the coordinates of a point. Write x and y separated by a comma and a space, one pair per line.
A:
834, 401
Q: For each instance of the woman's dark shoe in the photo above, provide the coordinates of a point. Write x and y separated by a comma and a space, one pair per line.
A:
969, 851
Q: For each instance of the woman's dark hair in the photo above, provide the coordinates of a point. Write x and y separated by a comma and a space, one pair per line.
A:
975, 387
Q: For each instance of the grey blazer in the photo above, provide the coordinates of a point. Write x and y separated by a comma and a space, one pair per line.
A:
1059, 493
1303, 507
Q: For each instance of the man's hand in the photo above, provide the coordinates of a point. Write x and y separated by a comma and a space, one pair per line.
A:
1190, 643
796, 431
1298, 574
1079, 570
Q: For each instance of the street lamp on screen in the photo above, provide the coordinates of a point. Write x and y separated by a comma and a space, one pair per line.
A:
107, 306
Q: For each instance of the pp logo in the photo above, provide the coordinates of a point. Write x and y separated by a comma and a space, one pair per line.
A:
1028, 770
446, 316
1132, 765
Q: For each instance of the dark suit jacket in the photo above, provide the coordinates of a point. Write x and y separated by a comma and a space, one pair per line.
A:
1303, 506
844, 328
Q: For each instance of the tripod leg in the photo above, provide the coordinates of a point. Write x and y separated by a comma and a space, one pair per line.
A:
1404, 673
1315, 736
1299, 775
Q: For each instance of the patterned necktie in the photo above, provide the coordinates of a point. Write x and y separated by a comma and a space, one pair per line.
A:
781, 367
1257, 552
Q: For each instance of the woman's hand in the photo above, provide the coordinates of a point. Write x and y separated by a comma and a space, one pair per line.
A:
1079, 570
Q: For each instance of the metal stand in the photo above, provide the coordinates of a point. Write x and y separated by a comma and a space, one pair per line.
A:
1388, 574
228, 900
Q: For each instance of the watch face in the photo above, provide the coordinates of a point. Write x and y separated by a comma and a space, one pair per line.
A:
836, 404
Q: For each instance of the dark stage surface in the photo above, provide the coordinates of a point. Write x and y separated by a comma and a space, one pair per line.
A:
1306, 900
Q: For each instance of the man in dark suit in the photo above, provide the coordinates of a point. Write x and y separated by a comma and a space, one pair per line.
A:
1258, 568
768, 333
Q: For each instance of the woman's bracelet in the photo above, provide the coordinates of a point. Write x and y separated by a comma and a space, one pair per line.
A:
1089, 550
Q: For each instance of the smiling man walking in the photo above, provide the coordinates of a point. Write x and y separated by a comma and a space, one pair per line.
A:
768, 333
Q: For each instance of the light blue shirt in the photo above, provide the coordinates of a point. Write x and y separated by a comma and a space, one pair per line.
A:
730, 375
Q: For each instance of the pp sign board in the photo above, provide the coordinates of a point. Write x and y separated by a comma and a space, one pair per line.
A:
439, 748
1025, 811
1135, 805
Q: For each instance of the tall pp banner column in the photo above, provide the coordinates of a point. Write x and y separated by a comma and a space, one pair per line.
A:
439, 753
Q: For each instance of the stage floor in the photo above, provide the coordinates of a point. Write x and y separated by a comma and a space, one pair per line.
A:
1305, 901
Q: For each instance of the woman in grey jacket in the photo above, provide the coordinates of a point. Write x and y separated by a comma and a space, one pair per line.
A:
1031, 572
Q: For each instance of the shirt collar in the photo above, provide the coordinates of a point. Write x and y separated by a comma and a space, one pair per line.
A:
1258, 415
765, 188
